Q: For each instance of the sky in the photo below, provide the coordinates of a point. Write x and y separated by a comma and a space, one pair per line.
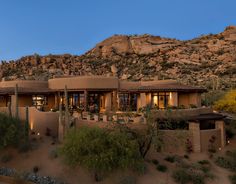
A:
76, 26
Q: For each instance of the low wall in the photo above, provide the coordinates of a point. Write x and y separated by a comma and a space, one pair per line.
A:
40, 121
182, 112
174, 140
206, 136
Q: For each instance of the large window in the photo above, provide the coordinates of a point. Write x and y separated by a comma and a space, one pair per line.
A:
94, 102
39, 101
76, 100
161, 100
127, 101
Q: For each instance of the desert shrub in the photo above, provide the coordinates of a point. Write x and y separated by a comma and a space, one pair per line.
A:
228, 161
189, 146
140, 168
211, 97
192, 106
181, 176
186, 156
127, 180
161, 168
35, 169
233, 179
203, 162
11, 130
155, 161
229, 133
170, 159
227, 102
195, 173
6, 158
223, 162
53, 153
100, 150
211, 145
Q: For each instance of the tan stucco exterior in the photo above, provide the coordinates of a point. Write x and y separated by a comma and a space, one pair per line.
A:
109, 89
84, 82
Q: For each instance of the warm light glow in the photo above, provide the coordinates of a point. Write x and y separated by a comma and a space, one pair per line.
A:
31, 125
228, 141
170, 95
219, 148
155, 100
38, 134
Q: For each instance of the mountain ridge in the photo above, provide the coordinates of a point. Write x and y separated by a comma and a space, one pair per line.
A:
208, 61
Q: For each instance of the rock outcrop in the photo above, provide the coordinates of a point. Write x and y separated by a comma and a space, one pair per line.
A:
208, 61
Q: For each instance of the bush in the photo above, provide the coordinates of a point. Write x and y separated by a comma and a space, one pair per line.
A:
203, 162
195, 173
155, 161
171, 159
228, 162
12, 131
100, 150
227, 103
35, 169
53, 153
223, 162
140, 168
161, 168
186, 156
233, 179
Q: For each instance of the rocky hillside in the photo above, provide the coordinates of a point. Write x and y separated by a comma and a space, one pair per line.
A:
209, 60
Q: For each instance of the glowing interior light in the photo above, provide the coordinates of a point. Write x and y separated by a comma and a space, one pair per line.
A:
38, 134
219, 148
155, 100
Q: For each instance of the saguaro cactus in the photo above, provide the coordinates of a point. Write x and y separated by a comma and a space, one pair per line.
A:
9, 109
26, 124
66, 107
16, 101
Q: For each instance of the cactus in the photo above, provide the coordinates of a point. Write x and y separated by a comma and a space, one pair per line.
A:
26, 129
16, 101
9, 109
66, 107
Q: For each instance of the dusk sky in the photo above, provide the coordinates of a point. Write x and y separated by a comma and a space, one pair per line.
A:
75, 26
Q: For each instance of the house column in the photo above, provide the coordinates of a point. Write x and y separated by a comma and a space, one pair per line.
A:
174, 99
85, 100
143, 101
108, 102
194, 128
114, 100
57, 100
220, 124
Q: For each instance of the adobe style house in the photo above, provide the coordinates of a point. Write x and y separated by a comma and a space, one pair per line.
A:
101, 96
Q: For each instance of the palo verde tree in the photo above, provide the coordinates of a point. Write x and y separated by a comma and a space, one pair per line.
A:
227, 103
100, 150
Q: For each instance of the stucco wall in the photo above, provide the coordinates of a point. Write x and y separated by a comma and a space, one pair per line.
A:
205, 137
40, 121
189, 98
183, 99
25, 84
84, 82
183, 112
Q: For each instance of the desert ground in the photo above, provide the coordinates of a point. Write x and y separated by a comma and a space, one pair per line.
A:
55, 167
